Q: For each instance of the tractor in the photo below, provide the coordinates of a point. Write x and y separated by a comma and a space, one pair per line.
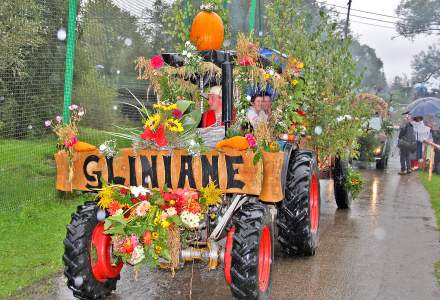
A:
240, 239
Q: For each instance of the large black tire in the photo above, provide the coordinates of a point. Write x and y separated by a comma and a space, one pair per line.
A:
294, 219
77, 260
381, 163
250, 221
342, 195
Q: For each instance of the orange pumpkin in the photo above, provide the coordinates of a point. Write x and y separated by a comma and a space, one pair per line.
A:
207, 31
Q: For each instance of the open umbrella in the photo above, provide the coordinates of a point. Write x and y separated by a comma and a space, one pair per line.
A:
424, 107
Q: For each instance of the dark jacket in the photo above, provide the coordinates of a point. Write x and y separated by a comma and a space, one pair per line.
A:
407, 133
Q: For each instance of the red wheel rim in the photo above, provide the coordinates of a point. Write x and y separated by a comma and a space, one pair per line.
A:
228, 255
314, 204
102, 266
264, 259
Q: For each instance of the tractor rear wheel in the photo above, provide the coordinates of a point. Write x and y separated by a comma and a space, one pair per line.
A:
298, 213
342, 194
91, 273
252, 252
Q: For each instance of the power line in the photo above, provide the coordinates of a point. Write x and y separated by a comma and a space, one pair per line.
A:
375, 25
358, 10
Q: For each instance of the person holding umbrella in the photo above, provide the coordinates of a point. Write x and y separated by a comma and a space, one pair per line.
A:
406, 144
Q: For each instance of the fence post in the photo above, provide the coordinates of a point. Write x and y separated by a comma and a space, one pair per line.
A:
70, 55
252, 16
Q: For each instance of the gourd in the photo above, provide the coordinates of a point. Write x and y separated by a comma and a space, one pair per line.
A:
207, 31
236, 142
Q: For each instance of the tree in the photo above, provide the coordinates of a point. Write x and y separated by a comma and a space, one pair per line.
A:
369, 67
329, 73
426, 65
108, 44
418, 16
401, 89
31, 64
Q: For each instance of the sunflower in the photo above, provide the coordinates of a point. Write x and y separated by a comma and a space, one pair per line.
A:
165, 107
212, 194
153, 121
105, 197
174, 125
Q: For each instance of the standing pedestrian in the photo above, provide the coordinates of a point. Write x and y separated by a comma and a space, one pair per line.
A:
422, 132
406, 144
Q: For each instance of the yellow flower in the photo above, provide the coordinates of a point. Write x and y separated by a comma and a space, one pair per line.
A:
266, 76
156, 221
165, 107
212, 194
300, 65
153, 121
294, 82
274, 147
105, 197
165, 224
174, 125
154, 235
158, 249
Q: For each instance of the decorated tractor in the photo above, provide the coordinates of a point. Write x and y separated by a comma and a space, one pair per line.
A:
183, 193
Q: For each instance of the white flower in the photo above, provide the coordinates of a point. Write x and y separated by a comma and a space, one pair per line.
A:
189, 55
47, 123
189, 219
271, 72
81, 113
248, 98
348, 117
318, 130
119, 212
102, 147
171, 211
143, 208
184, 53
59, 119
340, 119
187, 43
137, 256
139, 190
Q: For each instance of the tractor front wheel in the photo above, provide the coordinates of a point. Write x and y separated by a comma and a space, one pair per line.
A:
343, 196
298, 213
251, 256
89, 266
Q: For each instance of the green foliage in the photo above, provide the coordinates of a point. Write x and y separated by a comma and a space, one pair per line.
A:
417, 17
354, 182
426, 65
369, 67
367, 143
329, 73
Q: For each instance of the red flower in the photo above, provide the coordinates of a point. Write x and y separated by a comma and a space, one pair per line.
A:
158, 136
192, 206
246, 61
168, 196
128, 246
301, 113
146, 239
124, 191
135, 200
113, 207
157, 61
177, 113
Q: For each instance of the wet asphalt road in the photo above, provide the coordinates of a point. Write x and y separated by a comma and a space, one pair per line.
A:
384, 247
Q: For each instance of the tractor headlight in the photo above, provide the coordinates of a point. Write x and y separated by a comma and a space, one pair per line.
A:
377, 151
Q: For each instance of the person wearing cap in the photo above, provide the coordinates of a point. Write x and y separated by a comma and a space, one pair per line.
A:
213, 117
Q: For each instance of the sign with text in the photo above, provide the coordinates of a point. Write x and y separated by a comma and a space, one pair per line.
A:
233, 171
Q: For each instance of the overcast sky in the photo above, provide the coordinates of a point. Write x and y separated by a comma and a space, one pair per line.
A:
396, 53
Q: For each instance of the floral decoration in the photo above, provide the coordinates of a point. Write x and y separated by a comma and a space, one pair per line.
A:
140, 219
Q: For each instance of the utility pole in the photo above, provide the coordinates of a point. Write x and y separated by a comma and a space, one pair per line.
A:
347, 21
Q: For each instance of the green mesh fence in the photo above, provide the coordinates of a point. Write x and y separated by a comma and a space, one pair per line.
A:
110, 35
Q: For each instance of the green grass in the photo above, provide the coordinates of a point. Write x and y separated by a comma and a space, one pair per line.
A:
433, 187
33, 215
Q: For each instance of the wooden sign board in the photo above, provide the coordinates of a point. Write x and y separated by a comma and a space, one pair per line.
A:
233, 171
